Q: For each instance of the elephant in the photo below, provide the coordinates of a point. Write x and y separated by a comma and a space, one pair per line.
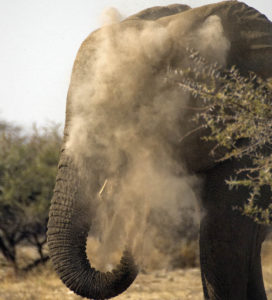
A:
127, 61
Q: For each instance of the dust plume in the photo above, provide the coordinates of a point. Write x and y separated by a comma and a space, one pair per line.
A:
124, 138
211, 40
110, 16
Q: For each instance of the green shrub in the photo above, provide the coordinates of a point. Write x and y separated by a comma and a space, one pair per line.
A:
28, 165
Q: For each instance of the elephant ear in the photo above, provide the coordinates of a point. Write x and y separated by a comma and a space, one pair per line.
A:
249, 33
158, 12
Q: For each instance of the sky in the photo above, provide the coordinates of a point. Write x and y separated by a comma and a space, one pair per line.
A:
39, 42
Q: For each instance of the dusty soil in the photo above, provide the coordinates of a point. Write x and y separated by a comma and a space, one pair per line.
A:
43, 284
158, 285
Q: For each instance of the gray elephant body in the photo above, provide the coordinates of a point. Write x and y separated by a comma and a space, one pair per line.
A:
230, 244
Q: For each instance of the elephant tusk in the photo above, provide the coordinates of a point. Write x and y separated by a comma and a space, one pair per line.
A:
102, 189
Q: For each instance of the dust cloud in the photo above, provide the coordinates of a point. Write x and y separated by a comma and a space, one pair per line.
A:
211, 40
110, 16
124, 134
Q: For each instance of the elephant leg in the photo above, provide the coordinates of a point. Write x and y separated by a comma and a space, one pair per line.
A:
255, 287
230, 243
224, 267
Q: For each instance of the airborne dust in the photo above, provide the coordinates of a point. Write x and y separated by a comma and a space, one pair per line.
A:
125, 129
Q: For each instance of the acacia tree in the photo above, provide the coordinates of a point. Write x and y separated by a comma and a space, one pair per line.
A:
237, 111
28, 165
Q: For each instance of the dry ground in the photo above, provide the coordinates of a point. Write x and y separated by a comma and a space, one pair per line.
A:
157, 285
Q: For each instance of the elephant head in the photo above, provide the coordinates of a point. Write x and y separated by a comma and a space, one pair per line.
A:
126, 62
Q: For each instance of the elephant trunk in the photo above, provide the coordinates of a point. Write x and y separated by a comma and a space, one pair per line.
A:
68, 228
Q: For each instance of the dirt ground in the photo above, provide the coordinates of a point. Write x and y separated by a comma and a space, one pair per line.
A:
155, 285
158, 285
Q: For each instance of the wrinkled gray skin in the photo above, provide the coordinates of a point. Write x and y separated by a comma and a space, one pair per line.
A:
230, 244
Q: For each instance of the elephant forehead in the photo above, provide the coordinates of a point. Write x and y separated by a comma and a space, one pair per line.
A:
149, 42
128, 45
157, 12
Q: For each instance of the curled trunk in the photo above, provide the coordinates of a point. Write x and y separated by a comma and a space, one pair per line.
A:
67, 235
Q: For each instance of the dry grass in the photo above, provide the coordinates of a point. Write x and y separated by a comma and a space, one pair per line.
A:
180, 284
43, 284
